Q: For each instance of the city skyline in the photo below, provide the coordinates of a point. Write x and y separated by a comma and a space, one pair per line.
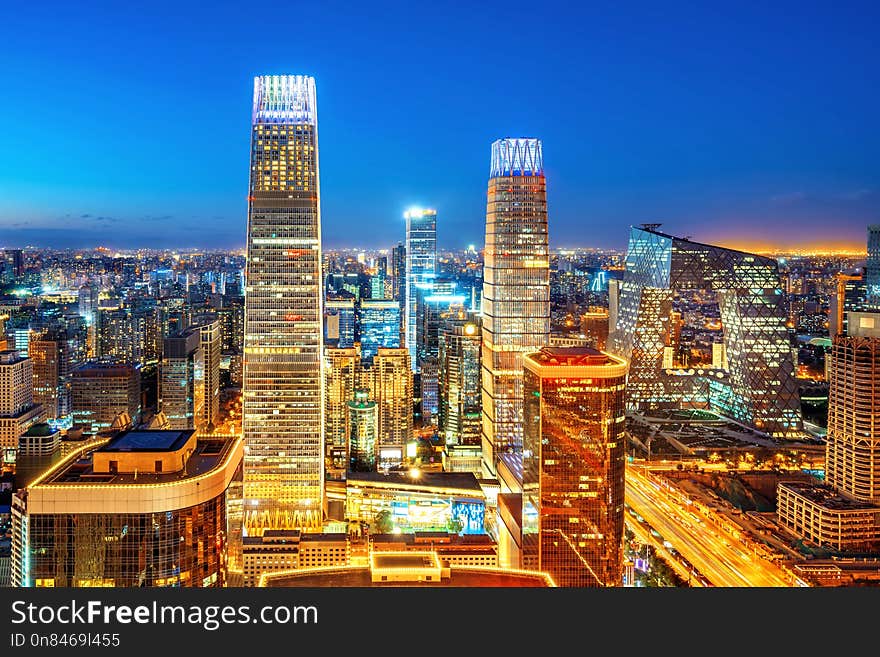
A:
634, 137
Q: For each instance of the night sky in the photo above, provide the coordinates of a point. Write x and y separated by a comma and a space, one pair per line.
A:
127, 124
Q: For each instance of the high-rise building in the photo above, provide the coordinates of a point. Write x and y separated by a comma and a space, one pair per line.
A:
140, 509
573, 465
363, 430
18, 412
379, 326
844, 512
460, 411
101, 391
182, 380
872, 266
14, 264
850, 295
421, 267
390, 382
88, 301
516, 289
435, 303
342, 375
340, 320
211, 339
853, 442
231, 316
759, 387
398, 275
282, 389
53, 356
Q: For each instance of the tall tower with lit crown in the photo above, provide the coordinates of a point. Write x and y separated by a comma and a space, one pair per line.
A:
282, 392
516, 290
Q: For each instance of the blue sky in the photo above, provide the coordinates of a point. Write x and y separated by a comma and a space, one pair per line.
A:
127, 124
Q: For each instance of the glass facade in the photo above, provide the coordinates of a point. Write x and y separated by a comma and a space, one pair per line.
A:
459, 383
573, 466
344, 312
182, 380
872, 266
380, 326
421, 267
186, 547
282, 391
516, 289
763, 390
363, 429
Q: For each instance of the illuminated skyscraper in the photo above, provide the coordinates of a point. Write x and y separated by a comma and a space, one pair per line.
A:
573, 465
390, 382
182, 380
339, 321
380, 326
53, 359
18, 412
363, 428
758, 386
435, 303
211, 338
342, 375
516, 288
421, 267
872, 266
459, 382
282, 392
844, 512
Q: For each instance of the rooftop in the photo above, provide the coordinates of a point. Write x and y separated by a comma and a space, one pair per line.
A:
464, 481
827, 497
148, 441
210, 453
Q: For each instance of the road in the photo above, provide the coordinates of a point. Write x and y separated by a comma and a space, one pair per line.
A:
722, 558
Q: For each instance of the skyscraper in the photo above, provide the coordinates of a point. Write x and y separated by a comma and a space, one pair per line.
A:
282, 391
390, 382
459, 383
421, 267
53, 358
758, 387
844, 512
18, 412
211, 338
435, 303
380, 326
516, 288
573, 465
340, 321
872, 266
182, 380
363, 429
342, 375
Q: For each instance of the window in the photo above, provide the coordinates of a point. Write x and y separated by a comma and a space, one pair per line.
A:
114, 466
159, 466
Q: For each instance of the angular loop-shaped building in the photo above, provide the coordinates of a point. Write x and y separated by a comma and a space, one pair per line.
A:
756, 383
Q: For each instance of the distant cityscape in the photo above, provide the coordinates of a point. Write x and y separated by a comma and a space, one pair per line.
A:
506, 414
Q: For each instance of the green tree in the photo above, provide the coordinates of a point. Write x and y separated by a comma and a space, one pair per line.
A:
454, 525
382, 523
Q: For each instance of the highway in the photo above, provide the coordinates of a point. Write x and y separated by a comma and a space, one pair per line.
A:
720, 557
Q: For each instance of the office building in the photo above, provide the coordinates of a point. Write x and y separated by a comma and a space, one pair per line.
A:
872, 267
573, 465
282, 389
285, 550
390, 382
339, 321
594, 326
54, 356
101, 391
759, 387
138, 509
342, 375
211, 342
231, 316
363, 430
516, 289
182, 380
850, 295
379, 326
18, 412
421, 267
436, 302
460, 409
